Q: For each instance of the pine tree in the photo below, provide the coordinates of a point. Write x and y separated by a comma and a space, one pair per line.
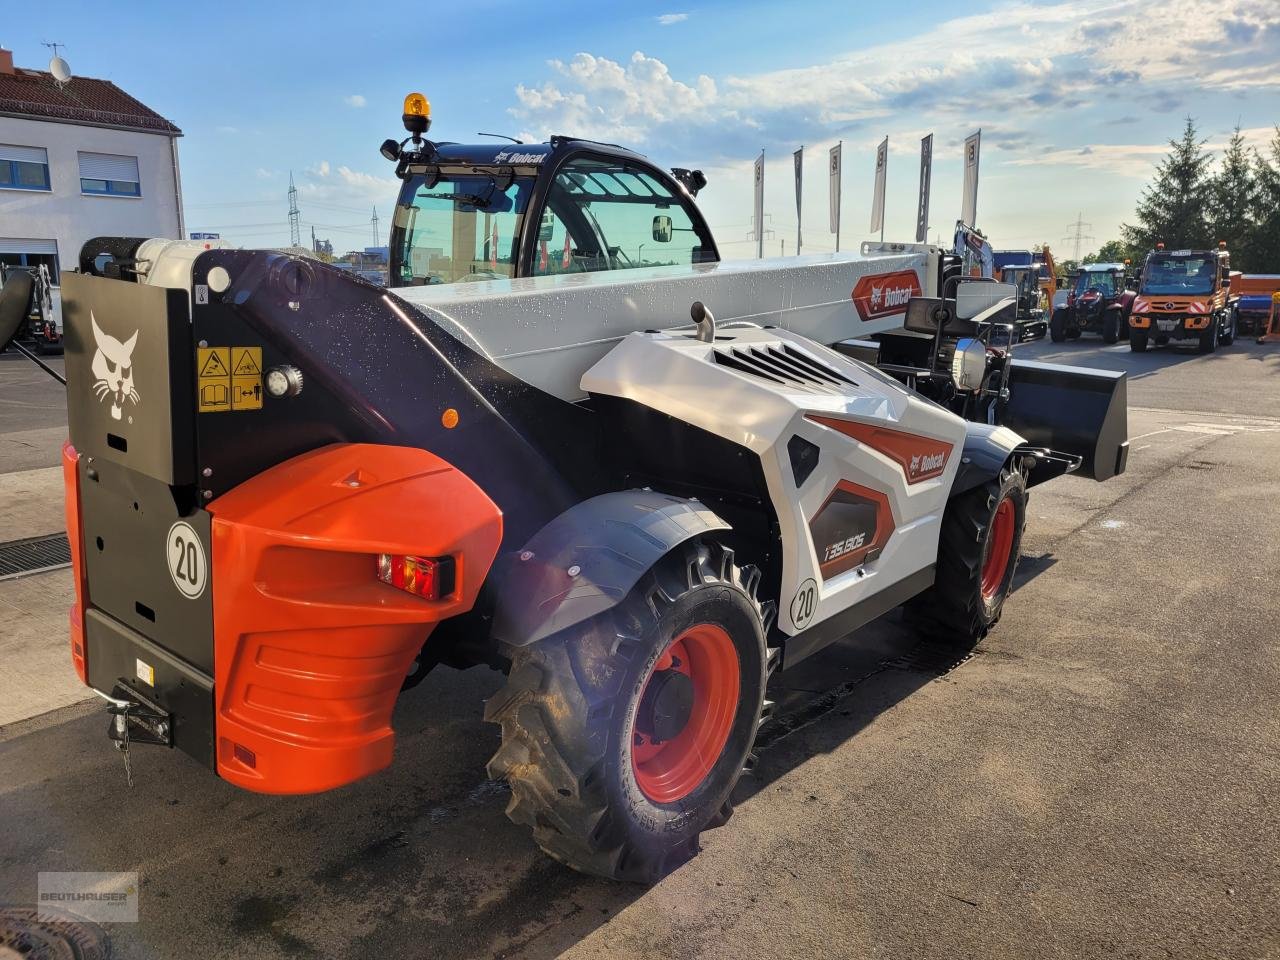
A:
1174, 208
1235, 200
1262, 249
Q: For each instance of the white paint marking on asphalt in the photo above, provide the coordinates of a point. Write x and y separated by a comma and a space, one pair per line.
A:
1113, 524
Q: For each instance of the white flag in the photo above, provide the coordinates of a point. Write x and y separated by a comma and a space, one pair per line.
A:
834, 167
759, 211
877, 201
969, 205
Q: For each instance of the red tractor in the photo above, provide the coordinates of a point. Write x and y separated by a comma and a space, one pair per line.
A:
1099, 302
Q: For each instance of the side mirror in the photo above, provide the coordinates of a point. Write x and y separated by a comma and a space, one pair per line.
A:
662, 230
15, 304
547, 227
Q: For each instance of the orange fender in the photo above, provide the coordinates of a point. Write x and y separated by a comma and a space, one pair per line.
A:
310, 648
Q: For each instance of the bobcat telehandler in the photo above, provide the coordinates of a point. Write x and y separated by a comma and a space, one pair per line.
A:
637, 492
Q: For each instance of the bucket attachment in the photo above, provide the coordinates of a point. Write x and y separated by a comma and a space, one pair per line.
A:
1078, 411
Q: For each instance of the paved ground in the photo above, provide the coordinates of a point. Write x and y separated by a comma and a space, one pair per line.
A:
1099, 779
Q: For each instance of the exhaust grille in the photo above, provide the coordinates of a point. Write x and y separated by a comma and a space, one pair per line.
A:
18, 558
784, 365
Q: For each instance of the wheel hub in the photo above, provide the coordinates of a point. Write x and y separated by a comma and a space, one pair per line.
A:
666, 706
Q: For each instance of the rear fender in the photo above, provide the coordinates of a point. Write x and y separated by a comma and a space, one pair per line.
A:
586, 560
988, 450
310, 648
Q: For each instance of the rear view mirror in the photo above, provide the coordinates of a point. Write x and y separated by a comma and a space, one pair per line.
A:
15, 305
662, 230
546, 228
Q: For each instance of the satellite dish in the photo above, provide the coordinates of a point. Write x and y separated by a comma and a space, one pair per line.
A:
60, 70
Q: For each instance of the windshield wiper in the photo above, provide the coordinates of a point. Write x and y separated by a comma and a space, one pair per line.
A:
469, 199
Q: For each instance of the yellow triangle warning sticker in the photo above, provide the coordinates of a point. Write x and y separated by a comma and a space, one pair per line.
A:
248, 362
215, 365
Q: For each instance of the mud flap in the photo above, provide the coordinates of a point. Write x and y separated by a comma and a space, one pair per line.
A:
1079, 411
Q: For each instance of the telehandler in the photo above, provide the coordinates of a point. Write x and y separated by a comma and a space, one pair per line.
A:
636, 492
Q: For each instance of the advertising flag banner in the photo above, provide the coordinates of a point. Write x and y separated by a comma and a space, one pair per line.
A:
877, 200
833, 166
969, 207
758, 217
926, 174
798, 158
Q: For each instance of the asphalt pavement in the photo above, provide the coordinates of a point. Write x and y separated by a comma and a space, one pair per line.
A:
1098, 779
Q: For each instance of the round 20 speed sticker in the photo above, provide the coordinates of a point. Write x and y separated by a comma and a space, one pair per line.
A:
185, 555
804, 604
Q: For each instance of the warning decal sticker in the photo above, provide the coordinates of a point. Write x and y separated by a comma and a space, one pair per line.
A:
246, 378
228, 378
213, 380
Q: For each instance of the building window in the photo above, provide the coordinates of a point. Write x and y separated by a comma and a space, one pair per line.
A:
109, 175
23, 168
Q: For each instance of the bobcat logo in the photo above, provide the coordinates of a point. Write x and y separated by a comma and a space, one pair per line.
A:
113, 369
877, 297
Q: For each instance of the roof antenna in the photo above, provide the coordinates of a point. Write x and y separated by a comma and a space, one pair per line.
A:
59, 67
500, 136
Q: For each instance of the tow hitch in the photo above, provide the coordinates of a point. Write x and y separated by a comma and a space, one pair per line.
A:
136, 718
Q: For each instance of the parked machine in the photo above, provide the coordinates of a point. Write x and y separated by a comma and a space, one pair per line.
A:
1256, 291
41, 329
636, 492
1186, 295
1099, 301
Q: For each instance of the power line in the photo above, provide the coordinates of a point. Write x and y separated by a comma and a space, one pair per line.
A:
1079, 227
295, 232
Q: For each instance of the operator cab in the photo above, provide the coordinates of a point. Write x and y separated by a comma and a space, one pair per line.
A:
493, 211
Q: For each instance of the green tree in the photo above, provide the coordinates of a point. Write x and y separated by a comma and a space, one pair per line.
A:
1175, 206
1113, 251
1234, 192
1262, 249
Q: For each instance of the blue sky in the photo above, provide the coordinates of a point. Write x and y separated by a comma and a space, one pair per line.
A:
1076, 99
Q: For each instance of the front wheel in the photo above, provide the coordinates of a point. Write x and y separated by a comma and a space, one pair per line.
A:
977, 557
623, 737
1138, 340
1111, 323
1058, 326
1229, 329
1209, 338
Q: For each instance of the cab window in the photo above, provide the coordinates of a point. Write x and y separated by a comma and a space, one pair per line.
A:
610, 215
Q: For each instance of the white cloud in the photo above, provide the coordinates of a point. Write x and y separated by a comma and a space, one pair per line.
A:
321, 169
1070, 55
355, 100
262, 173
667, 19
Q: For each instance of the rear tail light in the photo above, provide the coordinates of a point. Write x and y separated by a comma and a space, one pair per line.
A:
428, 577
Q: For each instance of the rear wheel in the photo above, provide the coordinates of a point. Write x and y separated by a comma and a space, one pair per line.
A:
623, 737
977, 558
1058, 326
1138, 341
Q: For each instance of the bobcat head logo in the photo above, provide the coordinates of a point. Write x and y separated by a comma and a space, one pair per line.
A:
113, 369
877, 297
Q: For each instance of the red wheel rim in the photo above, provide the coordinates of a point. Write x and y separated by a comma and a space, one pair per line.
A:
671, 770
1000, 546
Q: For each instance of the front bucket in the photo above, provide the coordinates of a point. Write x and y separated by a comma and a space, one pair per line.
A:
1074, 410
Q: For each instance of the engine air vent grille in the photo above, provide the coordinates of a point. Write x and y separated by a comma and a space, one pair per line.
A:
784, 365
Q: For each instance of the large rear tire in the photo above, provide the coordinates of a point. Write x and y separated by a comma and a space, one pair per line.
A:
977, 558
623, 737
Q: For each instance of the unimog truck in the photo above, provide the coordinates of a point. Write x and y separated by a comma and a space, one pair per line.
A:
636, 492
1186, 295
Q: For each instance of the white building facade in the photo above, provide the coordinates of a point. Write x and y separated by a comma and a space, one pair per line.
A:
80, 160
